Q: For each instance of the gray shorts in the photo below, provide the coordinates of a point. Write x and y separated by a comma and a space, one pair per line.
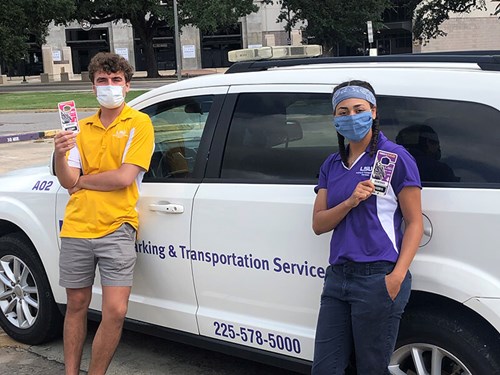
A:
114, 253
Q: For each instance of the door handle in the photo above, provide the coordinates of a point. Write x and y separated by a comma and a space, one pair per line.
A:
167, 208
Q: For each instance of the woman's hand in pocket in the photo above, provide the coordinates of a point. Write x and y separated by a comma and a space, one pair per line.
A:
393, 285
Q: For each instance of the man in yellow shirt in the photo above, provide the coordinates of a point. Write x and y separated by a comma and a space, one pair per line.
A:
102, 167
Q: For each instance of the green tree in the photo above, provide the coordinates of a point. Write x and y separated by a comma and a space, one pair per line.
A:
333, 22
287, 16
343, 21
147, 16
22, 21
430, 14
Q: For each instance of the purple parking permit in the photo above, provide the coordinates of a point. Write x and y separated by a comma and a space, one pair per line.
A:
382, 171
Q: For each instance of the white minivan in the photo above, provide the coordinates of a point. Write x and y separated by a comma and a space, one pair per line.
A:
226, 254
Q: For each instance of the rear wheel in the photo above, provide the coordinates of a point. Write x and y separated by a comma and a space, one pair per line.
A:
28, 312
437, 343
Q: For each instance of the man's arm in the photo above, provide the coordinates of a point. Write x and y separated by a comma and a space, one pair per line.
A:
63, 142
110, 180
136, 160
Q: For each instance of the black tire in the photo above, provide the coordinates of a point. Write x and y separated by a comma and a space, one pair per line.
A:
464, 344
28, 312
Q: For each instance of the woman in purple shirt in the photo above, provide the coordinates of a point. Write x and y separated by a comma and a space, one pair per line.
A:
368, 282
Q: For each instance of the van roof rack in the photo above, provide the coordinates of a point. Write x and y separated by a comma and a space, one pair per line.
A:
485, 61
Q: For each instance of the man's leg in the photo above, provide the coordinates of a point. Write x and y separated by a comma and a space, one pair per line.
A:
114, 309
117, 256
75, 327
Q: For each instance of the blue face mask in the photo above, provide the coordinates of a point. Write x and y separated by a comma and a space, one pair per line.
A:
354, 127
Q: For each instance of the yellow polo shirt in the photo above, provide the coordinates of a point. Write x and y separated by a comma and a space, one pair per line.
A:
129, 139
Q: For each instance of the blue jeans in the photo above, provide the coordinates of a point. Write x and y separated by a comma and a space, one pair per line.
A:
357, 312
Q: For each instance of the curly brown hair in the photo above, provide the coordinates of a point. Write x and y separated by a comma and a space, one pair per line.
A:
110, 63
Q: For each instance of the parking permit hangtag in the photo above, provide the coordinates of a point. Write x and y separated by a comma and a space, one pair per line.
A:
68, 116
382, 171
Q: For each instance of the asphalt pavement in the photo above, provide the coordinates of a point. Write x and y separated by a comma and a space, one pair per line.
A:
26, 138
137, 353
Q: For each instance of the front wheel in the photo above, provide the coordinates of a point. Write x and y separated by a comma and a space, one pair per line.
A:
28, 312
439, 343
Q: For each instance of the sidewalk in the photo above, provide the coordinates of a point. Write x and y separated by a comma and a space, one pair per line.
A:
164, 74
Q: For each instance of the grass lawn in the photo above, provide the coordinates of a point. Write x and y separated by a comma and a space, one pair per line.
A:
49, 100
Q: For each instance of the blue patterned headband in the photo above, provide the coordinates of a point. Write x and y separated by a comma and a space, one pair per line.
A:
349, 92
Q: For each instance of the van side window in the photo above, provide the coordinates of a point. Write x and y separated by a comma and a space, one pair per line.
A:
452, 141
178, 126
279, 136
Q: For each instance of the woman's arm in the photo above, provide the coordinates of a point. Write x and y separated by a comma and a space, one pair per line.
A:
325, 220
410, 202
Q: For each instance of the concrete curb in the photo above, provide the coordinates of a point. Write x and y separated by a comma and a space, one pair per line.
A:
28, 136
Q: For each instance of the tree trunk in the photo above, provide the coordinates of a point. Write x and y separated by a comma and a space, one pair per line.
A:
151, 63
146, 36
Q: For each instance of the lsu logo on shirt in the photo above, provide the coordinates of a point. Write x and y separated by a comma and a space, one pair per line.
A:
365, 171
120, 134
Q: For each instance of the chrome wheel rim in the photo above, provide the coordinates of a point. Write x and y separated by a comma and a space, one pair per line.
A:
19, 298
426, 359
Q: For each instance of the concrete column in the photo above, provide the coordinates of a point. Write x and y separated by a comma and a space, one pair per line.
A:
270, 40
57, 63
253, 36
190, 48
122, 40
67, 66
48, 64
57, 36
296, 37
85, 76
46, 78
55, 41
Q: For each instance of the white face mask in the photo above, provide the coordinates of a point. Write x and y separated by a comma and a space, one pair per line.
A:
110, 96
